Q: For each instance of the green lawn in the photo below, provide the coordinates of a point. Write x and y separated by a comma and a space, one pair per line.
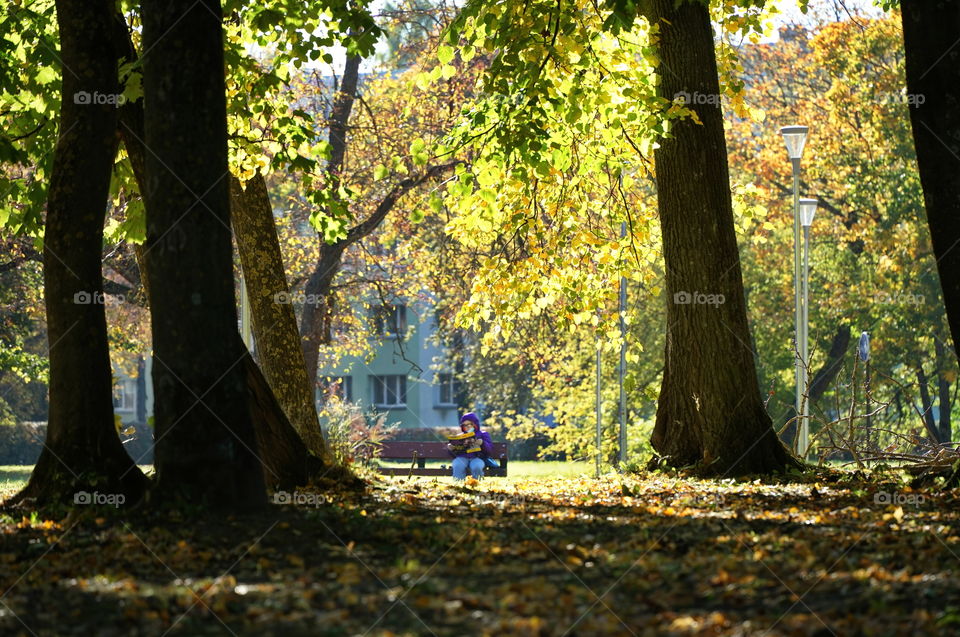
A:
14, 477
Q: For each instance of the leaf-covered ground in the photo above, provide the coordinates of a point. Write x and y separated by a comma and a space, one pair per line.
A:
646, 556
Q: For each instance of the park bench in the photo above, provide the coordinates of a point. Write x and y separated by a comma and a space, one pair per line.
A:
417, 454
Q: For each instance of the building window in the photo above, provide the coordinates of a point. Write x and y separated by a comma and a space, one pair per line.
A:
390, 320
335, 387
389, 391
125, 395
449, 390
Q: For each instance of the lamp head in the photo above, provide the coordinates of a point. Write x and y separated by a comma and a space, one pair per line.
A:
794, 137
808, 208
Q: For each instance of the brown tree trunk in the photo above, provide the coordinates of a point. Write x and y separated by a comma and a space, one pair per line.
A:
930, 31
206, 449
82, 451
821, 379
943, 390
926, 405
282, 467
274, 323
318, 308
710, 413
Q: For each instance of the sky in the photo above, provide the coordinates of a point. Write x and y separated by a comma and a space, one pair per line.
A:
789, 14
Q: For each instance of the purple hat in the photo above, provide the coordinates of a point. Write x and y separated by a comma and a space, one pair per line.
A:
470, 417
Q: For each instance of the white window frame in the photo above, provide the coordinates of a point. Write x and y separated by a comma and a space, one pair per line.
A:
381, 388
126, 390
449, 382
391, 320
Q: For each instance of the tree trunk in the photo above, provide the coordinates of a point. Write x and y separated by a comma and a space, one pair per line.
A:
930, 32
282, 464
710, 413
943, 389
274, 323
206, 449
318, 306
82, 451
821, 379
926, 406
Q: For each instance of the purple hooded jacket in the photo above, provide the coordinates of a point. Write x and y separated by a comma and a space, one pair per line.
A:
486, 442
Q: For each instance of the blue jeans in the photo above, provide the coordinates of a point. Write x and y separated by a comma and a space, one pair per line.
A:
461, 464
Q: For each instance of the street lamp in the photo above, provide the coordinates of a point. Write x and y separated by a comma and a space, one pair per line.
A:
808, 208
795, 137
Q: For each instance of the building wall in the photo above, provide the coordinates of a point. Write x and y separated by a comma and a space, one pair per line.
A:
415, 360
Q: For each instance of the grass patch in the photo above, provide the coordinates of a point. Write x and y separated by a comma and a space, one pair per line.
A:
13, 478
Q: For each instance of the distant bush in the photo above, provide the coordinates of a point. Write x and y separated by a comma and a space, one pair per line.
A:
21, 443
355, 437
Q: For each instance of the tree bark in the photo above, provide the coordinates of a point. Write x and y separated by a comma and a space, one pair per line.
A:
206, 448
282, 466
274, 323
82, 451
710, 413
926, 406
943, 390
318, 306
930, 32
821, 379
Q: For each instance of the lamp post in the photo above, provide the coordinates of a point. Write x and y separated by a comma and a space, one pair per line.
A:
808, 208
795, 137
623, 358
599, 413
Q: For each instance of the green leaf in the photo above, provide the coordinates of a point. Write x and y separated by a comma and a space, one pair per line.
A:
444, 54
380, 172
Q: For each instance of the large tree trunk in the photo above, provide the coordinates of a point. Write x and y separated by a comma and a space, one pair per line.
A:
274, 323
930, 31
283, 460
206, 449
710, 413
82, 451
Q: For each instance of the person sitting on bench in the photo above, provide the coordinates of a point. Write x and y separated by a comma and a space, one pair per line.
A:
470, 460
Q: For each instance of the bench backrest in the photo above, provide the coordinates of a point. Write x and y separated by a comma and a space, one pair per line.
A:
433, 450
